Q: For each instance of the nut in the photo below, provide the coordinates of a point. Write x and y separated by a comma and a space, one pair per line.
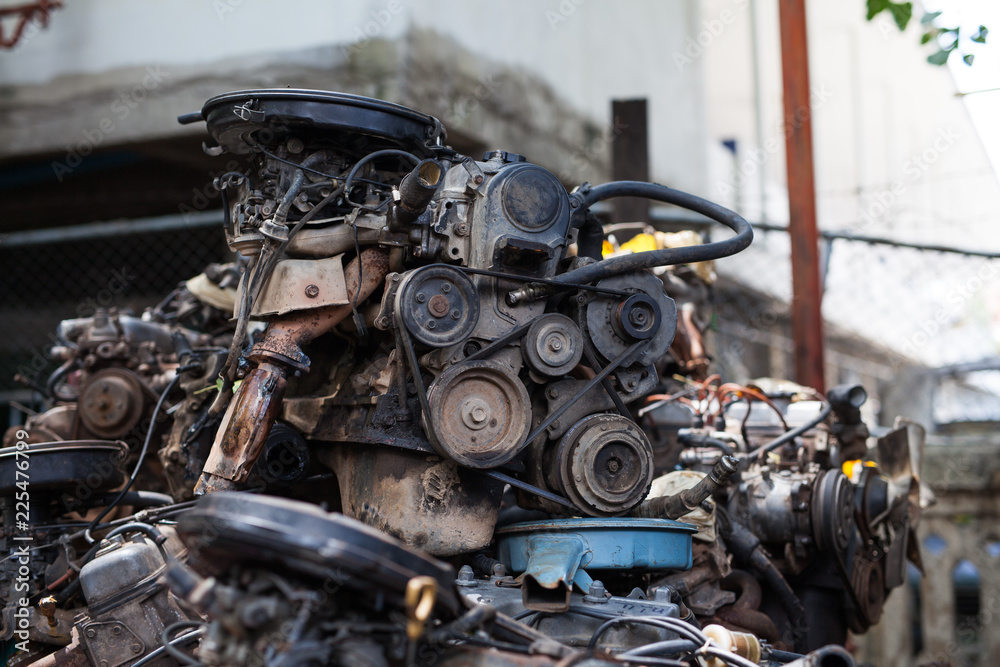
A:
312, 291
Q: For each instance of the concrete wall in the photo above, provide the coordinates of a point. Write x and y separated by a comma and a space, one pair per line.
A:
550, 67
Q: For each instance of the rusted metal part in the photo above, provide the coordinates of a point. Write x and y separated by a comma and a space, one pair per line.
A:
748, 620
71, 655
426, 501
111, 402
479, 413
746, 586
469, 656
302, 284
247, 423
286, 334
688, 500
807, 291
257, 403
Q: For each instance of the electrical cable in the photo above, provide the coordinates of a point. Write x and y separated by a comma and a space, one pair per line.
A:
389, 152
789, 436
177, 641
142, 455
174, 652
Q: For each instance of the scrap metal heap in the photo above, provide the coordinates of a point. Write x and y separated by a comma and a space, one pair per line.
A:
437, 349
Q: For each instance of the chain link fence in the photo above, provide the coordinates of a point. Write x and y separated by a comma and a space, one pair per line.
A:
56, 274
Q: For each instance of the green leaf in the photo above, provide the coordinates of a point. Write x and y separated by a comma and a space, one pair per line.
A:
968, 58
902, 12
980, 36
939, 58
875, 7
929, 17
927, 36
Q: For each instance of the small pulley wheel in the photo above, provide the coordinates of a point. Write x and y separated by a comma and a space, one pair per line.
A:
479, 414
605, 464
439, 305
553, 345
833, 511
111, 402
611, 324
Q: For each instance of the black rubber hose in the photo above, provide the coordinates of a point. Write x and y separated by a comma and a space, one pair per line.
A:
748, 552
139, 499
788, 436
666, 256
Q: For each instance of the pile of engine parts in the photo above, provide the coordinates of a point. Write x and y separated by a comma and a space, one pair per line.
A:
448, 423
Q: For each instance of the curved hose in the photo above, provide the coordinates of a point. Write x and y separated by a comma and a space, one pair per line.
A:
666, 256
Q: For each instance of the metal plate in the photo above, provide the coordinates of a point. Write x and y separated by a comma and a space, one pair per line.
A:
302, 284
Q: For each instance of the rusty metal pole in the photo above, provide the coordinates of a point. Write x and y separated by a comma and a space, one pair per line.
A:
807, 295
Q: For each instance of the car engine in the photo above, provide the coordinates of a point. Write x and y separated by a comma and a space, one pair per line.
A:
445, 425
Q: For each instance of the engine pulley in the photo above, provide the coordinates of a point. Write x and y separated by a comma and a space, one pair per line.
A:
605, 464
439, 305
479, 414
553, 345
612, 324
111, 402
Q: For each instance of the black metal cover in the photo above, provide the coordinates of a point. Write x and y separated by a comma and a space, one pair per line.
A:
225, 528
350, 122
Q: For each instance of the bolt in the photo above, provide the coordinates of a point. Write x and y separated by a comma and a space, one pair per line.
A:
614, 465
104, 663
596, 592
312, 291
555, 344
136, 648
455, 314
116, 630
91, 632
438, 306
421, 297
466, 577
479, 414
478, 179
431, 324
446, 287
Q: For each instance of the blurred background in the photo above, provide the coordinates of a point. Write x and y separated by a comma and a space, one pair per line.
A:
109, 202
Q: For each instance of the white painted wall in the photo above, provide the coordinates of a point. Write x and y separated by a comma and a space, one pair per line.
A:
896, 155
589, 51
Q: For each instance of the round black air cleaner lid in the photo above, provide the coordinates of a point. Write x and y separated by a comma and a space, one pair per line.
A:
351, 122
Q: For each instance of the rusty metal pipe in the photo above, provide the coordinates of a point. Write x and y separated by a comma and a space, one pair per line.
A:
257, 403
688, 500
